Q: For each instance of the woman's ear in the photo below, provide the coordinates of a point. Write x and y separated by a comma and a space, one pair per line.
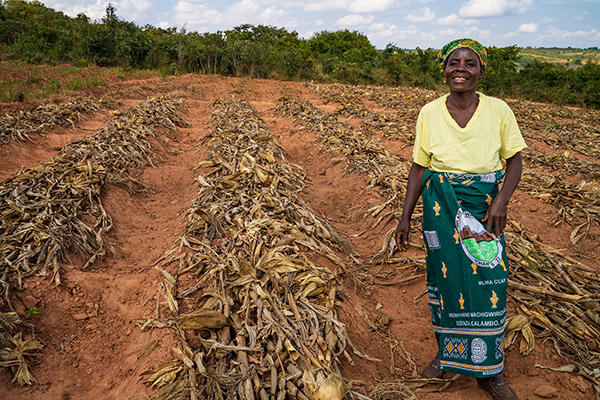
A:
481, 71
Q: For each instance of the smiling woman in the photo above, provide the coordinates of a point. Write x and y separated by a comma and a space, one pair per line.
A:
460, 141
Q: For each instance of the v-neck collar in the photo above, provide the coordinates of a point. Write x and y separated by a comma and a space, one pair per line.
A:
473, 117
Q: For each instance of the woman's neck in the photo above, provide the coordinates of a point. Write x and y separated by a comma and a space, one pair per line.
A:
462, 100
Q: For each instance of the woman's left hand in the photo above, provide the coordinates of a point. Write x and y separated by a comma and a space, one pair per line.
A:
496, 213
496, 216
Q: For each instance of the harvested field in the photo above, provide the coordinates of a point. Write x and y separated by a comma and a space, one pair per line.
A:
251, 249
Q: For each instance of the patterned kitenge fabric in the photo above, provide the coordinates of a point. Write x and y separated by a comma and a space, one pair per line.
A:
467, 271
457, 44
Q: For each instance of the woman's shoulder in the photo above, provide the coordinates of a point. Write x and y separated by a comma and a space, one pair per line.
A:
494, 102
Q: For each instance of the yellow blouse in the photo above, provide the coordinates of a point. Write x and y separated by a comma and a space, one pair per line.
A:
491, 134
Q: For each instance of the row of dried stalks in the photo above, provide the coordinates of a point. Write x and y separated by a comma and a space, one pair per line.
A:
563, 163
577, 204
55, 209
23, 125
575, 129
397, 125
387, 171
559, 270
560, 296
252, 308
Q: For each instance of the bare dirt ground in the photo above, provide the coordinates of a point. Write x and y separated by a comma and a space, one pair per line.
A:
94, 350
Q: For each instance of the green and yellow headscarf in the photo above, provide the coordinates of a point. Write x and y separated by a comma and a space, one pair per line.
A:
457, 44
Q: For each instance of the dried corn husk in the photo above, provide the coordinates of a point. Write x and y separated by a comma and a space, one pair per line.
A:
247, 244
43, 210
22, 125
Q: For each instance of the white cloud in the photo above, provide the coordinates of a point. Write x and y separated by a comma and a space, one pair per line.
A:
326, 5
553, 32
485, 33
381, 31
197, 16
307, 35
354, 20
479, 33
450, 32
453, 19
427, 16
493, 8
529, 27
380, 26
363, 6
355, 6
194, 14
547, 20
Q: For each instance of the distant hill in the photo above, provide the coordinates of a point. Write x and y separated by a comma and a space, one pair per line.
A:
572, 56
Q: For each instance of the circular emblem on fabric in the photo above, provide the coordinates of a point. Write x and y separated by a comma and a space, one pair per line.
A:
478, 350
482, 248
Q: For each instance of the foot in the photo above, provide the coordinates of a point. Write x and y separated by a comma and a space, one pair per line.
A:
497, 387
433, 370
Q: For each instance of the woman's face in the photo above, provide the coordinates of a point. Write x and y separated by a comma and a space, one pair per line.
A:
463, 70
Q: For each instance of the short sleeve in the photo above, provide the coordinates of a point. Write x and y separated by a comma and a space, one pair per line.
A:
421, 153
511, 139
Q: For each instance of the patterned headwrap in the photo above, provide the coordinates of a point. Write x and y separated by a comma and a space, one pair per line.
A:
457, 44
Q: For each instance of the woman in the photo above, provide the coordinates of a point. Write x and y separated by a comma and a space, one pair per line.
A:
460, 141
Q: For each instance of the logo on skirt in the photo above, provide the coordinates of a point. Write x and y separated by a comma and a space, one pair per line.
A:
482, 248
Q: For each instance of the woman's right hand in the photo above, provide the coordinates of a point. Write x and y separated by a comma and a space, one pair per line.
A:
413, 191
401, 235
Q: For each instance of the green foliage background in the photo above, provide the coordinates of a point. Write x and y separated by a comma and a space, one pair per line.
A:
31, 32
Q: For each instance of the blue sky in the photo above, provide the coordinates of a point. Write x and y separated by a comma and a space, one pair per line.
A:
409, 24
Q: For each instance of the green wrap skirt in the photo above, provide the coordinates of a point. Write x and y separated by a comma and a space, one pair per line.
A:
467, 271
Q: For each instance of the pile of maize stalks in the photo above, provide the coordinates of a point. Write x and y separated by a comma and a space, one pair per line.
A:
397, 125
563, 163
45, 212
23, 125
577, 204
575, 129
14, 351
254, 314
397, 98
560, 296
386, 171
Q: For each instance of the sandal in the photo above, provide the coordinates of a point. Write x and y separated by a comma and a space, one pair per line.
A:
497, 387
433, 370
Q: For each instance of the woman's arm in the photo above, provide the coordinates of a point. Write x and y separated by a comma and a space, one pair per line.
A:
413, 191
496, 214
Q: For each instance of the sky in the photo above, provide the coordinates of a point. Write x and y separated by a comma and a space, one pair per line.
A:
408, 24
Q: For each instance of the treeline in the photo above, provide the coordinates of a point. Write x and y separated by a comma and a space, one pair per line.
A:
36, 34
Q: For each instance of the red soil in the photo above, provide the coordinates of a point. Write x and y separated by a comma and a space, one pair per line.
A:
93, 349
